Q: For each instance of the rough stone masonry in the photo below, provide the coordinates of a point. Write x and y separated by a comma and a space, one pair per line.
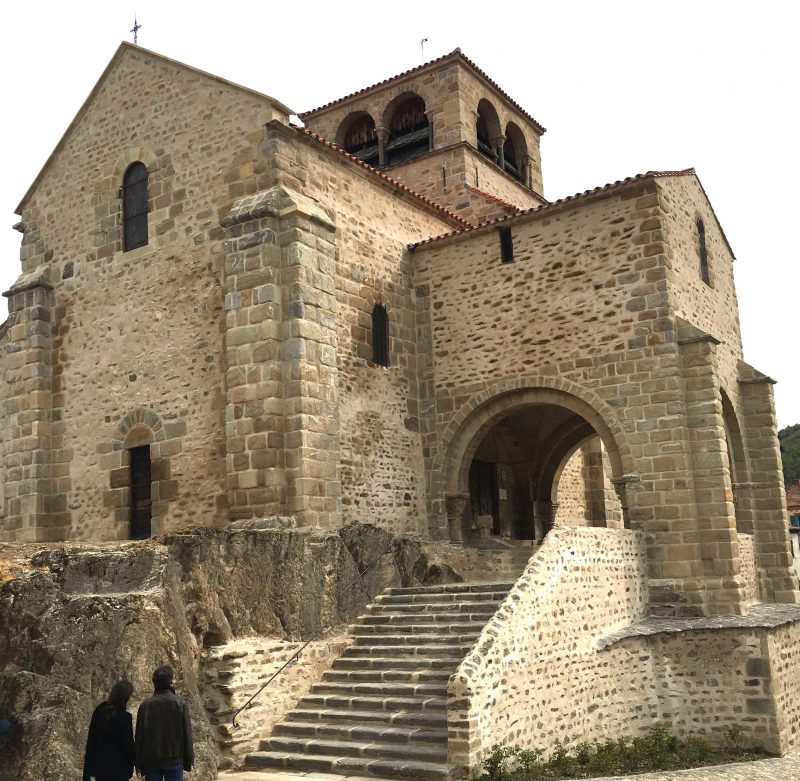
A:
379, 318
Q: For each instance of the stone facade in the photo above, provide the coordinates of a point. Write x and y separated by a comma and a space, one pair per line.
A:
379, 318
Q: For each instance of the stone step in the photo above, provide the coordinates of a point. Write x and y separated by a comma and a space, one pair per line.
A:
357, 766
359, 675
425, 630
418, 640
451, 650
424, 752
396, 616
366, 702
396, 663
439, 599
380, 689
451, 588
361, 732
401, 718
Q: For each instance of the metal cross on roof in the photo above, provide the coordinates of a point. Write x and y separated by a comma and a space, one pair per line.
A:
135, 30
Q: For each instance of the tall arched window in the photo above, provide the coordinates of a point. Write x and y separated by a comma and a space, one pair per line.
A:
380, 335
701, 238
134, 207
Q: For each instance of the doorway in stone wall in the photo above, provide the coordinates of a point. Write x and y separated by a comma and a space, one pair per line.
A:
141, 492
535, 466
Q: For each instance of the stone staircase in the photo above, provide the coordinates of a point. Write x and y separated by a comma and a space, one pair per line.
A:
381, 710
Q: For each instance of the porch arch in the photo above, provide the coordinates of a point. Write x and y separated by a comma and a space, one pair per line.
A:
503, 448
477, 416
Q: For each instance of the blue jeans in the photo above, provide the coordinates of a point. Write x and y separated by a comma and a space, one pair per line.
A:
165, 773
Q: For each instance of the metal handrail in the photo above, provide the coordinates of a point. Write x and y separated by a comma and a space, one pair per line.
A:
296, 655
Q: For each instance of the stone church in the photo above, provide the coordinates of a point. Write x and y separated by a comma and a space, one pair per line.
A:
378, 317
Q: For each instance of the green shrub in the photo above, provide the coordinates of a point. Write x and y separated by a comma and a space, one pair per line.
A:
657, 750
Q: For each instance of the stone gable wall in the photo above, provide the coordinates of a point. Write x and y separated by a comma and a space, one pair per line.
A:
138, 329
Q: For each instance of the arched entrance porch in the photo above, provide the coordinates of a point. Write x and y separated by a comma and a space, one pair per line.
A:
526, 460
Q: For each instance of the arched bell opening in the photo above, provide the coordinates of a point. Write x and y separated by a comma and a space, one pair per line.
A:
358, 136
488, 130
409, 129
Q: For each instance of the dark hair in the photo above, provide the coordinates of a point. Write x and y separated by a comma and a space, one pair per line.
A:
162, 677
121, 692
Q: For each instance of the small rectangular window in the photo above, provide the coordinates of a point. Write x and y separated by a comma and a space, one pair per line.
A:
506, 245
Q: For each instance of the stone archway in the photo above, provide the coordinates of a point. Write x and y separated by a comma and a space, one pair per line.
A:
512, 444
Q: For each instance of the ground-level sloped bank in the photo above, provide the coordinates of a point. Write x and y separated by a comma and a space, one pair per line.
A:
76, 617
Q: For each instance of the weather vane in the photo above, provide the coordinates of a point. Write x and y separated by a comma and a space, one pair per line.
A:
135, 30
422, 43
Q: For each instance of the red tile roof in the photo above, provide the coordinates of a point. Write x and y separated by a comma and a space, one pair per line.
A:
793, 494
560, 202
455, 54
489, 197
450, 215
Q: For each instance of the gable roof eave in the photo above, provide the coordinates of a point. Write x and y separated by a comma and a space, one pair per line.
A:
122, 49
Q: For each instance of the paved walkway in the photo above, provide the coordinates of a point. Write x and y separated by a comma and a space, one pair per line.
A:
783, 769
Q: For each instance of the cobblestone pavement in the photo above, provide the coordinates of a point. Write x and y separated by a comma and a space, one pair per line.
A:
783, 769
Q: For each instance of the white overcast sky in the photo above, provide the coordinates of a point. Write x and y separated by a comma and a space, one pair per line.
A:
622, 87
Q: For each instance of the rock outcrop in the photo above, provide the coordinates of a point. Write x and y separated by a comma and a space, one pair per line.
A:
76, 617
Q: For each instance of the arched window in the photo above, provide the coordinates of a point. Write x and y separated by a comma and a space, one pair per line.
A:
380, 335
358, 137
701, 238
134, 207
409, 131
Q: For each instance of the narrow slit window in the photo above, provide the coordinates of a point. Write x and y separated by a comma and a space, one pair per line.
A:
380, 335
701, 237
134, 207
141, 492
506, 245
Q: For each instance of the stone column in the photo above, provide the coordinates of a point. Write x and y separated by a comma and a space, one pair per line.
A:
383, 138
282, 414
498, 142
254, 414
430, 115
777, 580
455, 504
594, 479
621, 487
28, 378
311, 403
716, 542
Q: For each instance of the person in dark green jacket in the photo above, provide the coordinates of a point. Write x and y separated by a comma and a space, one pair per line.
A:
164, 747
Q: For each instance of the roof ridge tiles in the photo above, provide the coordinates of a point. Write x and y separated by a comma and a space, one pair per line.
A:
394, 182
456, 53
559, 202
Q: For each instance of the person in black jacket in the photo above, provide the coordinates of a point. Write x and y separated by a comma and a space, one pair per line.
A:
163, 732
109, 744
